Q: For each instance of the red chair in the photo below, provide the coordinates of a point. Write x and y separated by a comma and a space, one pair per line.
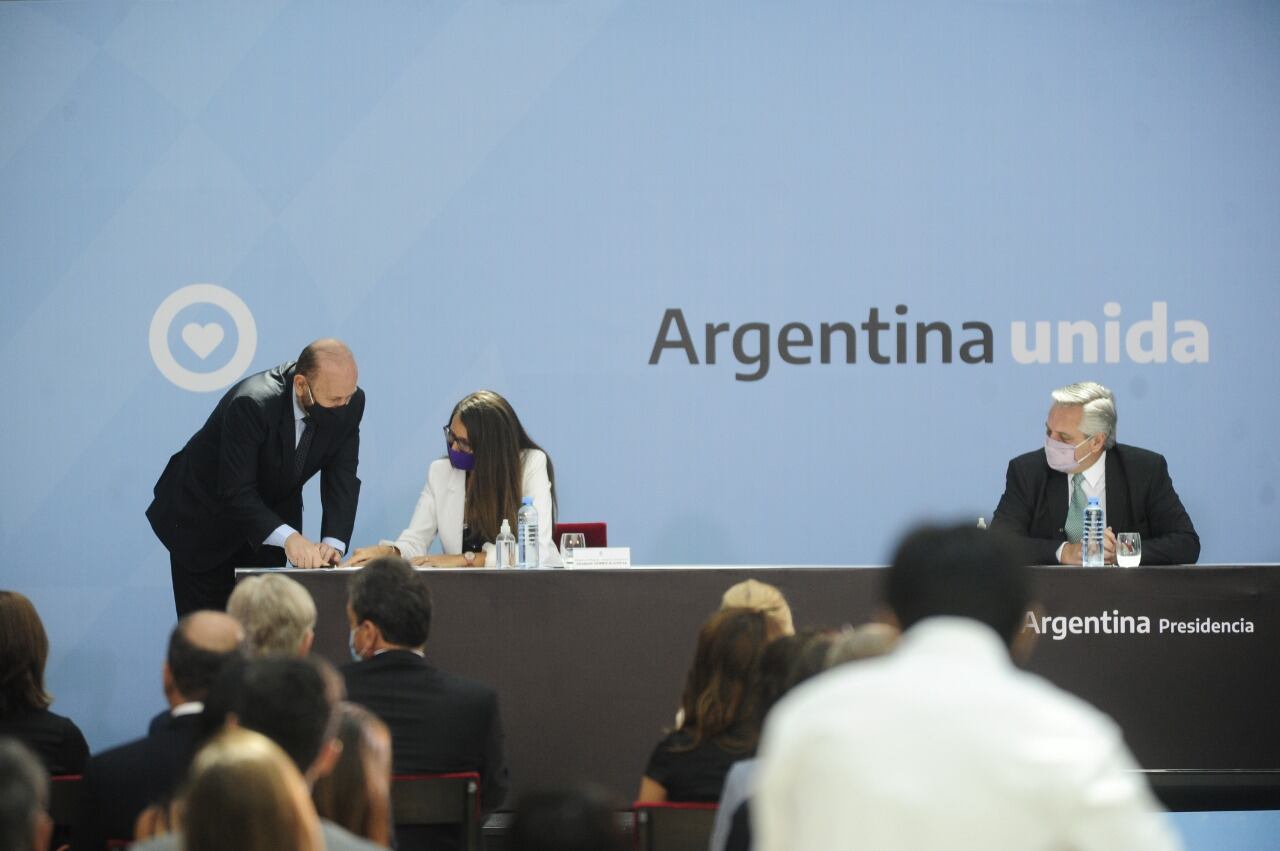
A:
673, 826
64, 798
596, 534
439, 799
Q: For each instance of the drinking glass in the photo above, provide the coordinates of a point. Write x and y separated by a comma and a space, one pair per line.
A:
1128, 549
569, 542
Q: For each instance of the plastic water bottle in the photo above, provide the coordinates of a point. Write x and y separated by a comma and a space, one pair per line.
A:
1094, 527
504, 546
527, 534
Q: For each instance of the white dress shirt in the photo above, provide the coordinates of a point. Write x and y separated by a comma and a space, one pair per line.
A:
1095, 484
284, 530
944, 743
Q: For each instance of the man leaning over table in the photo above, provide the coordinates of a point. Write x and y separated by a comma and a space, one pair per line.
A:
1046, 490
232, 497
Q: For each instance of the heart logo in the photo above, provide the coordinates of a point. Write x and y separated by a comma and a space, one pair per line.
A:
202, 339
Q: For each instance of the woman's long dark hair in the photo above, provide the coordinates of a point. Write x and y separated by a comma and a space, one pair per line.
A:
24, 649
356, 794
494, 486
722, 688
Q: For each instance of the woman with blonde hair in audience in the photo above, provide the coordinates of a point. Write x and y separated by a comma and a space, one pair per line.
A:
244, 793
24, 703
761, 597
720, 726
277, 613
356, 795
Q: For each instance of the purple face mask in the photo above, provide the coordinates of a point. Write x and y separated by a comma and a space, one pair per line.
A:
1062, 456
461, 460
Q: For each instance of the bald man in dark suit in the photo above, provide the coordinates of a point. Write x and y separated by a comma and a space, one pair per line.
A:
232, 497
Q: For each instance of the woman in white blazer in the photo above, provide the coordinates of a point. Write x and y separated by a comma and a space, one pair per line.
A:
491, 465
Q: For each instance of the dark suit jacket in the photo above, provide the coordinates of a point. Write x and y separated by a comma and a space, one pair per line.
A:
233, 483
1140, 498
438, 722
122, 782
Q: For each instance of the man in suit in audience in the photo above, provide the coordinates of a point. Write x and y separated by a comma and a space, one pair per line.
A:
945, 742
1046, 490
121, 782
439, 722
293, 702
278, 615
24, 798
232, 497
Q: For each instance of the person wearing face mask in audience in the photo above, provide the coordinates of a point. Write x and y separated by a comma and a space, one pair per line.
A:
232, 497
1046, 490
490, 466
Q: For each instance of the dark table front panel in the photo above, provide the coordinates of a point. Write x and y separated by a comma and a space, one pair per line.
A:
589, 664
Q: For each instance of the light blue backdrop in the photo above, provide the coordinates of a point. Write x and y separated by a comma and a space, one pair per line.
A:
511, 195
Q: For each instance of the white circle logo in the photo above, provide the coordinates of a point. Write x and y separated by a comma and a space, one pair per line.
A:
203, 339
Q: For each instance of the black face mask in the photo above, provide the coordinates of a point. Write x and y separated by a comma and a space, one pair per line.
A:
320, 415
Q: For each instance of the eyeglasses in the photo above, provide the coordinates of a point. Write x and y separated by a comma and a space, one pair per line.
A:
450, 438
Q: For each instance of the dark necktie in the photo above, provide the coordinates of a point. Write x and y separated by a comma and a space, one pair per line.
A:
304, 444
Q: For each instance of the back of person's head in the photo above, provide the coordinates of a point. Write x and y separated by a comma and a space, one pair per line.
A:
761, 597
790, 660
579, 819
278, 615
243, 792
960, 571
24, 796
862, 642
287, 699
356, 795
721, 690
24, 649
395, 598
201, 644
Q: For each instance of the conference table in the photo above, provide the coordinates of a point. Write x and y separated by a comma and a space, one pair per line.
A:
589, 664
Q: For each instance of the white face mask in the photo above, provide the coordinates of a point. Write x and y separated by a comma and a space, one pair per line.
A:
1062, 456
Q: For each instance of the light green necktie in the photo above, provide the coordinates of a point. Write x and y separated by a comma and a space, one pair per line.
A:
1075, 514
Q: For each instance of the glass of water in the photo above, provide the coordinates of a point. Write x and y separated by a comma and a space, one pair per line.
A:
1128, 549
569, 542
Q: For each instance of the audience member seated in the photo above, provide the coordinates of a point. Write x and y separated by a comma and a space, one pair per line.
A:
566, 820
439, 722
245, 793
862, 642
24, 799
945, 742
719, 706
785, 664
24, 703
291, 702
278, 615
761, 597
356, 794
121, 782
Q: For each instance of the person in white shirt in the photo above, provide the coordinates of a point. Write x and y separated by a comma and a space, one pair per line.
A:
945, 742
491, 464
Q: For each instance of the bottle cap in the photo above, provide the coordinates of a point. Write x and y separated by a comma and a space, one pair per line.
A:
506, 527
528, 500
1093, 500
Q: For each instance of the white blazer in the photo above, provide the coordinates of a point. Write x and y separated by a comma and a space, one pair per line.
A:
440, 508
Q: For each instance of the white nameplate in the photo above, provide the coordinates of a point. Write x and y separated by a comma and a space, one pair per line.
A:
602, 557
